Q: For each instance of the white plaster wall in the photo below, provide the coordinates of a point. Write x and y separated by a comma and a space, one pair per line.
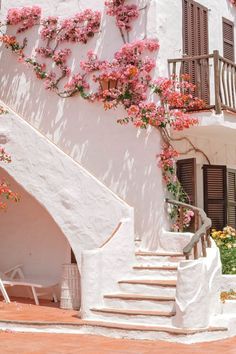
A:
197, 301
85, 210
169, 27
114, 262
29, 236
217, 142
228, 282
123, 158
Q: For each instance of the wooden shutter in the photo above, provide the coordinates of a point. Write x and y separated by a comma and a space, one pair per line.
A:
186, 173
195, 28
228, 39
215, 194
195, 42
232, 198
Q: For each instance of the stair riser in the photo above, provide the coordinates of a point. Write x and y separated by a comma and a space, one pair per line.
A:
154, 260
140, 305
137, 243
147, 289
147, 320
156, 273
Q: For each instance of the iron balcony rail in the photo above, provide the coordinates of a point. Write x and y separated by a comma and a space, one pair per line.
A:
214, 77
202, 225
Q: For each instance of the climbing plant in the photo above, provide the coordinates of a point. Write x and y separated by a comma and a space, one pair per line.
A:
6, 193
126, 80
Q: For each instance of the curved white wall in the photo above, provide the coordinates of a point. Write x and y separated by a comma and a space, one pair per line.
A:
84, 209
122, 158
29, 236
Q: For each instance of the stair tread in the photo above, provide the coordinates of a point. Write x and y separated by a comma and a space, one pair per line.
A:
135, 312
151, 254
141, 327
160, 267
161, 282
139, 297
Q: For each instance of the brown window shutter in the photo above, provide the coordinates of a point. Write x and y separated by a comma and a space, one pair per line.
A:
195, 42
195, 28
232, 198
215, 194
228, 39
186, 173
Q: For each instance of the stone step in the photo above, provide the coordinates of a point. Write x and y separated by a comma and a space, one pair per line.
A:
159, 287
134, 301
153, 257
157, 254
160, 267
158, 282
134, 316
162, 271
143, 328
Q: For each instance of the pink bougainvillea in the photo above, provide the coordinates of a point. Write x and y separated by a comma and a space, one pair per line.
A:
124, 14
124, 80
6, 193
78, 28
27, 17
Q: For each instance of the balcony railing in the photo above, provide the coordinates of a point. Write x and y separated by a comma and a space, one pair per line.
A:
214, 77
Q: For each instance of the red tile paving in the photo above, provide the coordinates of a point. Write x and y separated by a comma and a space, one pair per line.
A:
22, 309
28, 343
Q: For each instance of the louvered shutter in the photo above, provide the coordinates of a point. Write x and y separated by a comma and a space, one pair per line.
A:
228, 39
215, 194
186, 173
232, 197
195, 42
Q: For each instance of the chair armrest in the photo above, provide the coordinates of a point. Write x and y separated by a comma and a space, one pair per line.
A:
17, 269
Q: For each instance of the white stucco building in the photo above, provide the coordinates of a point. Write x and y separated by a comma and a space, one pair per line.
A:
81, 176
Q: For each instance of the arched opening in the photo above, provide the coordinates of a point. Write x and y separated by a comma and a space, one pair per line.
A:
29, 236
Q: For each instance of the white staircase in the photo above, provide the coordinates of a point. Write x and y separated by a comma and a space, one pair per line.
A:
146, 301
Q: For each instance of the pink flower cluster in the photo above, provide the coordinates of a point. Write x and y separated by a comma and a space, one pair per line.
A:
78, 28
5, 191
178, 94
77, 84
187, 218
81, 27
233, 2
126, 78
60, 57
4, 157
27, 17
49, 28
179, 120
167, 158
124, 14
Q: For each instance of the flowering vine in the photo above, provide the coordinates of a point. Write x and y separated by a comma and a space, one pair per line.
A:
27, 17
124, 15
6, 192
125, 80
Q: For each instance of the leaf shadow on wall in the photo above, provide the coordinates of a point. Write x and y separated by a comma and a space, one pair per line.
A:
123, 158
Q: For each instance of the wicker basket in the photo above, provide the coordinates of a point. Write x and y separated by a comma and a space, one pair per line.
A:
70, 287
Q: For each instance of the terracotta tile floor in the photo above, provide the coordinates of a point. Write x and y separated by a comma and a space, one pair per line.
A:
21, 309
28, 343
